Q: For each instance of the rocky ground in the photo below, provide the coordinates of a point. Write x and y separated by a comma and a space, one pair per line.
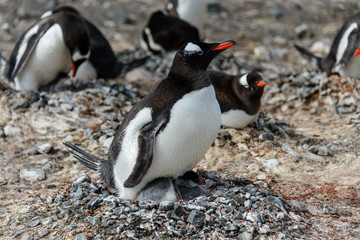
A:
295, 175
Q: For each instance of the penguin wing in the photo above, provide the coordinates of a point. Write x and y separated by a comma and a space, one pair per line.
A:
353, 45
30, 46
146, 142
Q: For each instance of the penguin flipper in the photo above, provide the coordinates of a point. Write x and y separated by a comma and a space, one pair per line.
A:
309, 56
146, 138
30, 46
83, 157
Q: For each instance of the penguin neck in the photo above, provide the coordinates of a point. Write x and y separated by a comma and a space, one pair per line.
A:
190, 77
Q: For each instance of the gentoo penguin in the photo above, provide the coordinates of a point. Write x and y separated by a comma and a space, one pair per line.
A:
239, 97
102, 62
168, 131
164, 33
51, 47
193, 12
341, 58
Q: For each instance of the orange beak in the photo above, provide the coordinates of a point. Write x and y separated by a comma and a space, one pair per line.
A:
261, 84
357, 52
225, 45
73, 69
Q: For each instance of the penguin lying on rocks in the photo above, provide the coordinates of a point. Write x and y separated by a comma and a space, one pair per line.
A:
164, 33
239, 97
168, 131
343, 57
62, 42
49, 49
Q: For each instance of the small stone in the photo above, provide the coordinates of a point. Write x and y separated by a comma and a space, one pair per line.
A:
94, 220
33, 223
130, 233
267, 136
178, 211
94, 203
230, 227
11, 131
254, 167
41, 233
112, 201
272, 164
196, 218
247, 204
31, 151
166, 205
324, 151
78, 194
313, 149
45, 148
219, 142
303, 31
32, 174
81, 236
245, 236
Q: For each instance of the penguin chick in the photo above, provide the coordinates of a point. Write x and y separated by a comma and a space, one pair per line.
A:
50, 48
239, 97
164, 33
343, 58
168, 131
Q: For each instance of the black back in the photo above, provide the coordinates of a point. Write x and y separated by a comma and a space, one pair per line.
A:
170, 32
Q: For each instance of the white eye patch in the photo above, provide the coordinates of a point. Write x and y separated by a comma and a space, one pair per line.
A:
192, 48
243, 81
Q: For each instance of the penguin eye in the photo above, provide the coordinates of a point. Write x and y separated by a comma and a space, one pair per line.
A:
200, 53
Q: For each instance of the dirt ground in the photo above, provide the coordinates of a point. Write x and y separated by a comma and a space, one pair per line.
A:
326, 185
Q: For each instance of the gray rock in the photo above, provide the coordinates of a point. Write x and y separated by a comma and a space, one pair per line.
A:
167, 205
245, 236
94, 203
196, 218
81, 236
130, 233
94, 220
267, 136
32, 174
11, 131
179, 211
31, 151
78, 194
324, 151
45, 148
33, 223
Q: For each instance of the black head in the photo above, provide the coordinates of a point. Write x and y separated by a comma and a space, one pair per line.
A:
250, 84
198, 55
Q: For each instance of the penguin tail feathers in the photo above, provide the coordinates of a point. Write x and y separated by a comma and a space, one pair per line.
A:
309, 56
83, 157
3, 76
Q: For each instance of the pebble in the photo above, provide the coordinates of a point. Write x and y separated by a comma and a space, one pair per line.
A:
245, 236
303, 31
45, 148
267, 136
32, 174
272, 164
11, 131
33, 223
196, 218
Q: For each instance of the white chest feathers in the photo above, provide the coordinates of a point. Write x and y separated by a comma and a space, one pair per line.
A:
194, 122
49, 58
237, 118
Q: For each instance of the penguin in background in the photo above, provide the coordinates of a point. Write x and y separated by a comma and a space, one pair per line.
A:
51, 48
182, 105
165, 33
343, 57
102, 62
192, 12
239, 97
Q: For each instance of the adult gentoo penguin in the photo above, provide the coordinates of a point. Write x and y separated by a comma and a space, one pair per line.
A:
239, 97
193, 12
168, 131
164, 33
51, 47
102, 62
342, 58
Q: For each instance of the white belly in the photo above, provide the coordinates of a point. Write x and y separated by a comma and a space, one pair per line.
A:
194, 123
85, 71
237, 118
352, 68
49, 58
